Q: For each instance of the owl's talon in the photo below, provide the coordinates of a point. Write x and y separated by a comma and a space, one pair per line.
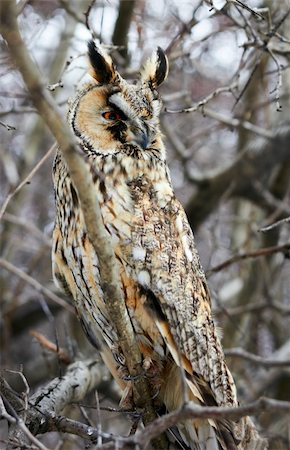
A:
134, 377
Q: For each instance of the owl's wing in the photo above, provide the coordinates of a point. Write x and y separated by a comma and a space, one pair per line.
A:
75, 271
164, 263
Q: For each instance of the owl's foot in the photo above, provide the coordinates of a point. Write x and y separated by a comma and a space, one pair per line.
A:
127, 401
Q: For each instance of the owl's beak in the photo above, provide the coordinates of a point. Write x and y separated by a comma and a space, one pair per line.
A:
138, 136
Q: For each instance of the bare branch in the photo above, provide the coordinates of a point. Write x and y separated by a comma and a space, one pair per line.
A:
285, 248
191, 411
205, 100
29, 226
8, 127
274, 225
258, 307
27, 179
50, 346
14, 419
257, 162
36, 285
230, 121
265, 362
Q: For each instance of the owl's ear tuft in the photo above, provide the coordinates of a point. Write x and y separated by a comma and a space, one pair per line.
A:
102, 67
155, 70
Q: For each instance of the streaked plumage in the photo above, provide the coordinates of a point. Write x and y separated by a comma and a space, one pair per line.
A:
117, 126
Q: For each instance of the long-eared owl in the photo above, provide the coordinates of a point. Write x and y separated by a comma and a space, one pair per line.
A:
117, 127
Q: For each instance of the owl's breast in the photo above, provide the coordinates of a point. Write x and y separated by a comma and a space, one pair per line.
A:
128, 187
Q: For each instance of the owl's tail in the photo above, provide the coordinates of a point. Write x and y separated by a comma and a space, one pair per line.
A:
204, 434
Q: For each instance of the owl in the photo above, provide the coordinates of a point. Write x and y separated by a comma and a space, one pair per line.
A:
116, 124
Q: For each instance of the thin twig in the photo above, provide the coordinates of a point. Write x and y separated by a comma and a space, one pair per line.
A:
14, 419
275, 224
265, 362
285, 248
258, 307
36, 285
50, 346
245, 6
29, 226
8, 127
205, 100
230, 121
192, 411
27, 179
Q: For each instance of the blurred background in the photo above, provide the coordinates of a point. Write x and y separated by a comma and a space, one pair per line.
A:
227, 131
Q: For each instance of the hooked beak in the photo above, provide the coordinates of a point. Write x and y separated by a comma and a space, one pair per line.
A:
139, 137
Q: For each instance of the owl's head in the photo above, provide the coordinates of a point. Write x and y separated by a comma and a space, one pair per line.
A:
109, 113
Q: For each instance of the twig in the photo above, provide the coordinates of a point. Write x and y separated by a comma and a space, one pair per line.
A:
65, 425
231, 121
281, 205
36, 285
205, 100
27, 389
48, 345
191, 411
265, 362
53, 87
252, 11
44, 406
285, 248
237, 123
278, 85
8, 127
22, 110
87, 14
14, 419
275, 224
27, 179
33, 230
184, 29
247, 309
66, 6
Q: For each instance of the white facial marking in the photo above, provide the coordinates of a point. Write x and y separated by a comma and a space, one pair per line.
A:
117, 100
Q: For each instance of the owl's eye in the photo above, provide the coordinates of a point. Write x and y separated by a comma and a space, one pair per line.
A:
111, 115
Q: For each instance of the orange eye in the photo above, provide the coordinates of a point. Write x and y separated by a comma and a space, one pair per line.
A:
111, 115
